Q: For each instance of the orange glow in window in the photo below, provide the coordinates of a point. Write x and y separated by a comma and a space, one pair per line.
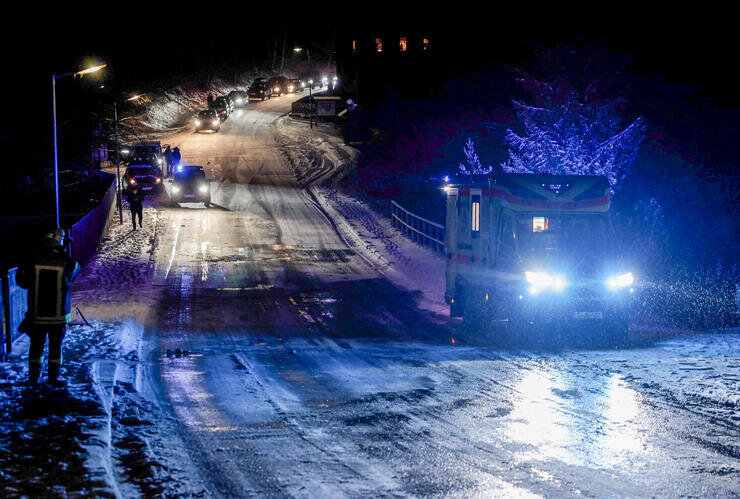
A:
378, 44
403, 44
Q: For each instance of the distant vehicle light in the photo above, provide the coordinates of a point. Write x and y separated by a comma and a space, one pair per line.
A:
125, 151
159, 160
238, 101
277, 89
620, 281
158, 180
197, 122
175, 189
215, 122
303, 85
203, 188
132, 181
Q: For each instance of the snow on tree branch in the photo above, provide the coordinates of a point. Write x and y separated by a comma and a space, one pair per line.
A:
472, 165
563, 133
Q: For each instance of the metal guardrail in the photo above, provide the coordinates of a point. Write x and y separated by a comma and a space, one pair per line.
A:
419, 229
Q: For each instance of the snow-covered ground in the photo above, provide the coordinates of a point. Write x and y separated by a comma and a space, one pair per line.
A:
288, 341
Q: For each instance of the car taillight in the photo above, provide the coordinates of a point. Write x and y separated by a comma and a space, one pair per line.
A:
132, 181
158, 180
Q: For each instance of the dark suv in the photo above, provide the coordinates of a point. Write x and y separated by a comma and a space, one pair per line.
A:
259, 91
278, 85
222, 107
147, 177
190, 185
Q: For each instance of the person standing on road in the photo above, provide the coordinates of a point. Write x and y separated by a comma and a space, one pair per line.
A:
47, 276
136, 205
167, 161
176, 156
209, 99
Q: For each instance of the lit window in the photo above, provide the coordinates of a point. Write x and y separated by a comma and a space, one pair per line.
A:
425, 44
475, 214
378, 44
540, 224
354, 46
403, 44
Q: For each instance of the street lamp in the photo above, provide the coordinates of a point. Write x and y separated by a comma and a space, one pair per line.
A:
298, 50
119, 194
54, 79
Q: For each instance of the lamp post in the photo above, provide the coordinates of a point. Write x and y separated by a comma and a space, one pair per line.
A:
119, 193
54, 79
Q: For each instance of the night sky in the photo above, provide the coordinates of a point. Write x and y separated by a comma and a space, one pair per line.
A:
144, 42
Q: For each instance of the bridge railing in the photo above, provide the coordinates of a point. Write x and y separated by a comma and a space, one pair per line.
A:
419, 229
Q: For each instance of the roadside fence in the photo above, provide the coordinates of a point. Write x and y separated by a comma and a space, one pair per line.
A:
12, 310
419, 229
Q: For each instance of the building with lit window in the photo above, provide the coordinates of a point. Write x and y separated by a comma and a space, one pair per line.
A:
391, 62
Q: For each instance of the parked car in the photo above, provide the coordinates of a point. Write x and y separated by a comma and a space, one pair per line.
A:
259, 91
207, 119
221, 105
295, 85
278, 85
147, 177
190, 185
239, 97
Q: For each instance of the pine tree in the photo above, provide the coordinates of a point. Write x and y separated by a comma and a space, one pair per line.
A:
472, 164
571, 132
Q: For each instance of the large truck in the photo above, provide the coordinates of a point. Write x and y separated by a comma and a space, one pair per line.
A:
528, 251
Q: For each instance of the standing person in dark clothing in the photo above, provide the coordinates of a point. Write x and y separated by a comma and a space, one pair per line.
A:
47, 276
167, 161
210, 101
176, 156
135, 200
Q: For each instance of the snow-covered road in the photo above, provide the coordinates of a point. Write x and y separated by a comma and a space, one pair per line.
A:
310, 373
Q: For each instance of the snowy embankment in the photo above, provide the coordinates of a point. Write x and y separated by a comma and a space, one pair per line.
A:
317, 156
168, 111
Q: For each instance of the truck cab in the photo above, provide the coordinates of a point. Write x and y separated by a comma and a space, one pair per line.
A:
527, 250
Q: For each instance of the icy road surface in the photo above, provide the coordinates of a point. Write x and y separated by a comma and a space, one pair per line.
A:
311, 374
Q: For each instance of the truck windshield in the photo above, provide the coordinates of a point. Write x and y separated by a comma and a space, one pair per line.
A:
564, 237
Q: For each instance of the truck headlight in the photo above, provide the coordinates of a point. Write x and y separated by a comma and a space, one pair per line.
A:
203, 188
541, 280
620, 281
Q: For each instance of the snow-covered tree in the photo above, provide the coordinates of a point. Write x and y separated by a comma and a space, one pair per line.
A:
472, 164
569, 131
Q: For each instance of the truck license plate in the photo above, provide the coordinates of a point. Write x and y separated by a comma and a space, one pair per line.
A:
589, 315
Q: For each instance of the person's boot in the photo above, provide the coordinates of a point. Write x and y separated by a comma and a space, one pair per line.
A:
34, 370
53, 378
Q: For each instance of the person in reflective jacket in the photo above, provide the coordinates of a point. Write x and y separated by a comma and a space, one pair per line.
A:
47, 276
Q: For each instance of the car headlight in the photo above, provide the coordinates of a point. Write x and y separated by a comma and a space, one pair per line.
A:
541, 280
277, 89
197, 122
215, 122
175, 189
203, 188
620, 281
238, 101
159, 160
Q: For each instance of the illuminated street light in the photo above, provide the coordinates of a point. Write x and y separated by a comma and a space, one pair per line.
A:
54, 79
